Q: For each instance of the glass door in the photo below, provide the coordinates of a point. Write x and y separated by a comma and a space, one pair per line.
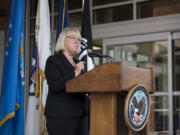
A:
176, 84
150, 53
147, 54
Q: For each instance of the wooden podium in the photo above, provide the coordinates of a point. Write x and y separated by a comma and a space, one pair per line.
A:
108, 85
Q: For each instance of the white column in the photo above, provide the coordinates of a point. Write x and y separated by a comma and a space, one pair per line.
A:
170, 84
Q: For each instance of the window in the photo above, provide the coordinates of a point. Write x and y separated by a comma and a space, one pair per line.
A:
154, 8
102, 2
146, 55
177, 65
113, 14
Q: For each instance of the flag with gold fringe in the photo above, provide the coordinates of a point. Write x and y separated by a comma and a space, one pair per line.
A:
35, 120
12, 90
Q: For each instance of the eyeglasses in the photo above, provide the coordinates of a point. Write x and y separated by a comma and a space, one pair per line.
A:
74, 38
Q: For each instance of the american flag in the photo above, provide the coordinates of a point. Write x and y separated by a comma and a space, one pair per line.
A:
34, 69
34, 72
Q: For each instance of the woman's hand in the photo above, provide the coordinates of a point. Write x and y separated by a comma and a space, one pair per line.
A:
79, 68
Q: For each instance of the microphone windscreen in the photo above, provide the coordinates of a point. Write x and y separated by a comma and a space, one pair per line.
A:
89, 50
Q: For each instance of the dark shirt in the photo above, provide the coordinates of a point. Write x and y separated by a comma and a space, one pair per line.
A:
59, 103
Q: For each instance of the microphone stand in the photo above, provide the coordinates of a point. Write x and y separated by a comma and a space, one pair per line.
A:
83, 43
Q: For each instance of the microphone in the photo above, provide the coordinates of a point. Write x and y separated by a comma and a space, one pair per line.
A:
96, 54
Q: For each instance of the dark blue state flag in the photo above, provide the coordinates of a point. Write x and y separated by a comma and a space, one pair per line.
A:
12, 90
63, 20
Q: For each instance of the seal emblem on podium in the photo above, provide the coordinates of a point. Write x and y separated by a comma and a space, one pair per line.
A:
137, 107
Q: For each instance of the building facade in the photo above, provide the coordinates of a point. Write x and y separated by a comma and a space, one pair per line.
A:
141, 33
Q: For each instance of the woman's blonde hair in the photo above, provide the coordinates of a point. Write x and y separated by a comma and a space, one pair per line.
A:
60, 44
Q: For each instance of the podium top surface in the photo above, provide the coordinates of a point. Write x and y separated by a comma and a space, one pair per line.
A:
111, 77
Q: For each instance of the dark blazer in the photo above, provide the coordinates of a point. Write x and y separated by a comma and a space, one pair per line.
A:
59, 103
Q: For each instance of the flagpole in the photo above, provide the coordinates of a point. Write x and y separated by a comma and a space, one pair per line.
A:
63, 15
82, 6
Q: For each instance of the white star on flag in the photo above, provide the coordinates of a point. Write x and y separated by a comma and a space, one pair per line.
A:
10, 39
6, 53
22, 73
33, 62
23, 83
10, 25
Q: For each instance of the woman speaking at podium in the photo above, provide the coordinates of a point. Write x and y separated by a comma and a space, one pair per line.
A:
65, 112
